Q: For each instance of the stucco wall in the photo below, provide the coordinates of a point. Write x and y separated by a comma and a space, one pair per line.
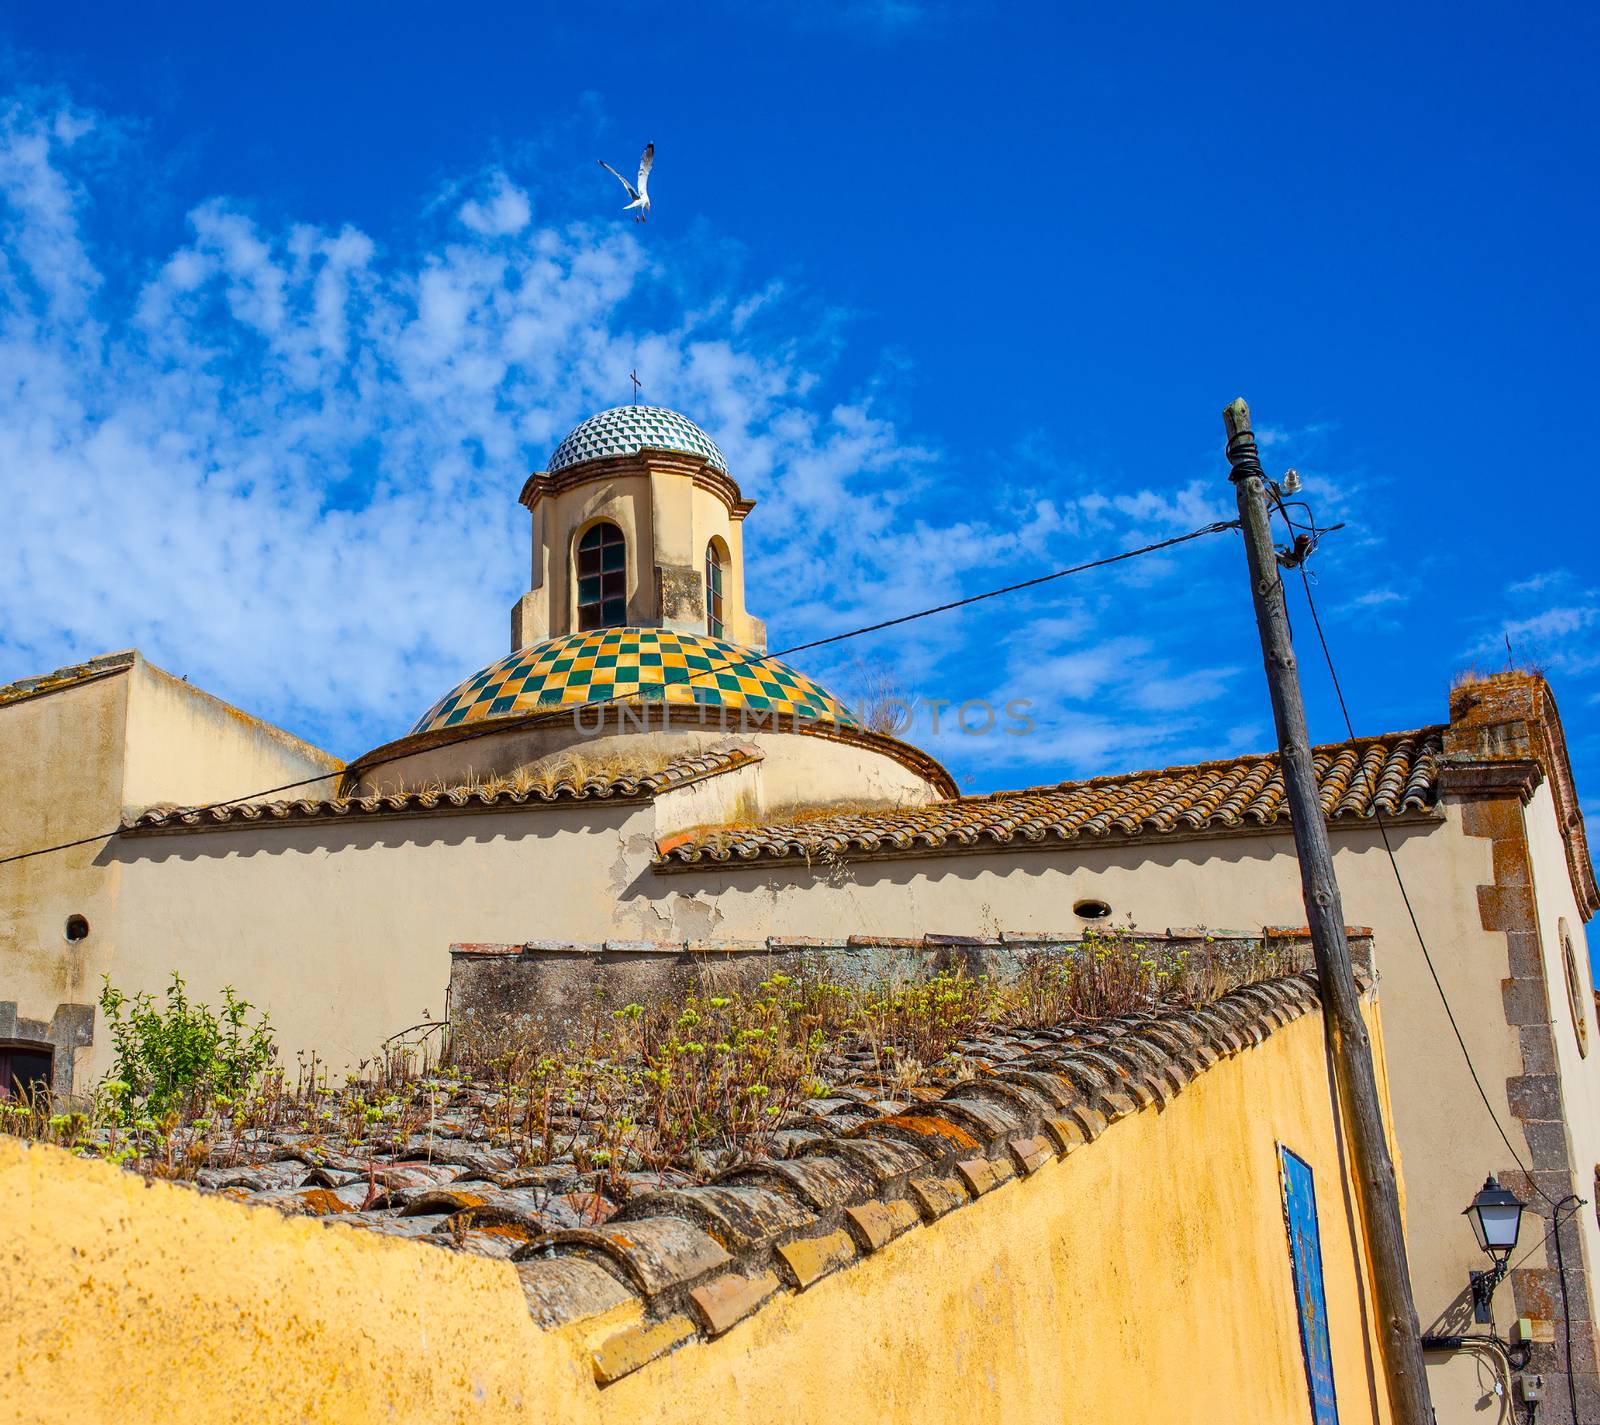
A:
341, 930
735, 795
61, 766
1579, 1073
1446, 1139
797, 767
188, 747
295, 917
667, 521
1144, 1277
72, 762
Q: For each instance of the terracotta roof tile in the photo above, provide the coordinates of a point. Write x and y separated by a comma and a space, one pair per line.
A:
628, 786
699, 1256
1395, 774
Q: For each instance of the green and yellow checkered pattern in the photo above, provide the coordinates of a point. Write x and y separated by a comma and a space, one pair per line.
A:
637, 665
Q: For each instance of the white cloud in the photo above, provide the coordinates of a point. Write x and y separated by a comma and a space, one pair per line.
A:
1539, 582
284, 463
502, 211
1558, 639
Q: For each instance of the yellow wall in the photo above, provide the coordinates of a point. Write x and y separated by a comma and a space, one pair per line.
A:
1145, 1277
1447, 1139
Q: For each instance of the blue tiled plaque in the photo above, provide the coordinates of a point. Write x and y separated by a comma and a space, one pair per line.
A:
1305, 1253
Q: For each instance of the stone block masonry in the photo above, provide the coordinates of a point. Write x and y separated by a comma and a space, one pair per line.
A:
559, 985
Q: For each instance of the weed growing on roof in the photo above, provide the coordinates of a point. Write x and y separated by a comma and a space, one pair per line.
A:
680, 1087
919, 1022
1113, 971
180, 1056
543, 776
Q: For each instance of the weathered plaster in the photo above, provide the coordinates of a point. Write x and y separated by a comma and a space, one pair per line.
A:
1034, 1303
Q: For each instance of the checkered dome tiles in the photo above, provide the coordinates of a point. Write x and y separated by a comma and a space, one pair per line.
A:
636, 665
626, 430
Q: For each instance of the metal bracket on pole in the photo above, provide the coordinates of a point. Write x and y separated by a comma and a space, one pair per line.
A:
1400, 1339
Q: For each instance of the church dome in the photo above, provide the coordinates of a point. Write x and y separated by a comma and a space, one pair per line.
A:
634, 665
626, 430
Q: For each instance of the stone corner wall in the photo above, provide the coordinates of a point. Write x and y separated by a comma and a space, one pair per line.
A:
68, 1030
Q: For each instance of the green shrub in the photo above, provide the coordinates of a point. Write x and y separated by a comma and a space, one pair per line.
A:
180, 1056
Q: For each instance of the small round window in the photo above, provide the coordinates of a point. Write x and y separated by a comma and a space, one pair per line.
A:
1575, 996
77, 928
1091, 910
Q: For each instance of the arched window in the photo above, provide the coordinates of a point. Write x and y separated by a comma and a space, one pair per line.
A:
714, 576
1575, 995
602, 578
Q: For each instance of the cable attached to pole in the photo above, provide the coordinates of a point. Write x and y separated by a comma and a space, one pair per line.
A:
566, 709
1405, 897
1309, 539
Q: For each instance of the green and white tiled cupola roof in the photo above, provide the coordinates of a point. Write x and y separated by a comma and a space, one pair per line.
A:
626, 430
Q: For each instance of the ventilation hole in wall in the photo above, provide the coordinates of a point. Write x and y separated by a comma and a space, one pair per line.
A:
1091, 910
77, 928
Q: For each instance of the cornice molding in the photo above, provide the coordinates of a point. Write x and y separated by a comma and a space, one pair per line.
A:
646, 716
542, 484
1505, 730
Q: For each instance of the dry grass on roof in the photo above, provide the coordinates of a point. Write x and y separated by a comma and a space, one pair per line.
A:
544, 776
518, 1133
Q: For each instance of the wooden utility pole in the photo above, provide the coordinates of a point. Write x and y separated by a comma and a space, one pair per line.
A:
1346, 1030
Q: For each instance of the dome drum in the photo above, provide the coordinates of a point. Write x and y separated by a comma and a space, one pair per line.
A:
654, 694
634, 640
663, 484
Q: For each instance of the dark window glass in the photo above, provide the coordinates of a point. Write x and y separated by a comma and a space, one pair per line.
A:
24, 1071
713, 592
602, 578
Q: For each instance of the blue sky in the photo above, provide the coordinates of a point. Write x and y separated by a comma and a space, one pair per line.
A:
290, 306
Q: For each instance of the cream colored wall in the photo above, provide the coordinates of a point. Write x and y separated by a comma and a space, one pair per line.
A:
74, 763
185, 746
1470, 1387
666, 519
61, 770
797, 767
1580, 1074
710, 519
805, 770
1236, 882
342, 930
1144, 1278
561, 520
727, 797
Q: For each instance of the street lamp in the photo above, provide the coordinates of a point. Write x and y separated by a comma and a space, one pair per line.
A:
1496, 1217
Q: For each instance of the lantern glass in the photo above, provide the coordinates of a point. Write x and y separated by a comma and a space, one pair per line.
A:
1496, 1218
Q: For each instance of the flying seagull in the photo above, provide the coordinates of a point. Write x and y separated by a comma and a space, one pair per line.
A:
641, 194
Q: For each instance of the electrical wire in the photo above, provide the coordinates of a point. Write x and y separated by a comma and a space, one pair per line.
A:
1566, 1311
567, 709
1383, 831
1555, 1207
1554, 1231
